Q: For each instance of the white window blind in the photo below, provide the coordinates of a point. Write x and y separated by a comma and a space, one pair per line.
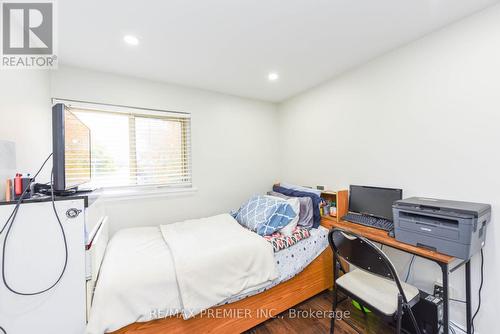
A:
137, 147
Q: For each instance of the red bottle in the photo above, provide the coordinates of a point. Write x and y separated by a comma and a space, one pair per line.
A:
18, 184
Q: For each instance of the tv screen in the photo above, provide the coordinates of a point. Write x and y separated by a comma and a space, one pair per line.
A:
373, 201
71, 149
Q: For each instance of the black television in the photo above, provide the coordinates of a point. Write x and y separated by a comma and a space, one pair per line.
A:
373, 201
71, 150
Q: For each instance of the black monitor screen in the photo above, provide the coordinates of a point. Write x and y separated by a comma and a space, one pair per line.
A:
373, 201
76, 151
71, 149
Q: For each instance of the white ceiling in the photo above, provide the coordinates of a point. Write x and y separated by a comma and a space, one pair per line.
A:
230, 46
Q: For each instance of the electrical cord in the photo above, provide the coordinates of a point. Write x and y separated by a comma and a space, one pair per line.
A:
7, 222
457, 300
457, 327
409, 268
479, 303
12, 219
451, 329
3, 330
14, 212
480, 288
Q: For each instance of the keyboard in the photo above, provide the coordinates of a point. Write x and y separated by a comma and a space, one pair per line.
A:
382, 224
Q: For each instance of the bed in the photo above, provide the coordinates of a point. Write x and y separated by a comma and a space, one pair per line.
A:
136, 281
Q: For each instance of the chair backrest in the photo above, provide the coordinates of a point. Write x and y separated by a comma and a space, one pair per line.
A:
362, 253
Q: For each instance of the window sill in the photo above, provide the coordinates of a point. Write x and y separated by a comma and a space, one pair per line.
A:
132, 193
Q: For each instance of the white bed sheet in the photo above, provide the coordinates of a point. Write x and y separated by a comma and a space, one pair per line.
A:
216, 258
292, 260
150, 289
137, 279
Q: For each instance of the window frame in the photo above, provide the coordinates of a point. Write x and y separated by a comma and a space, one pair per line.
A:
142, 190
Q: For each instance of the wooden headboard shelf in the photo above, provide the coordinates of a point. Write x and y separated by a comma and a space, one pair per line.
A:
341, 198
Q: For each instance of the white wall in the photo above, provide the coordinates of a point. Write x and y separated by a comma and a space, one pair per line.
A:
425, 118
233, 143
25, 117
233, 139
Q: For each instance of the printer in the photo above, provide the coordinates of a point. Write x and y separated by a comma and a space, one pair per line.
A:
454, 228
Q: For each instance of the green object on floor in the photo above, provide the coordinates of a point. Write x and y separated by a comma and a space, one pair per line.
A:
356, 305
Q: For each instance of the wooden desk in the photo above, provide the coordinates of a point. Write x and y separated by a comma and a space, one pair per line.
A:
444, 261
382, 237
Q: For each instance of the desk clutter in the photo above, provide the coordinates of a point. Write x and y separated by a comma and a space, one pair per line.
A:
454, 228
18, 187
335, 204
446, 232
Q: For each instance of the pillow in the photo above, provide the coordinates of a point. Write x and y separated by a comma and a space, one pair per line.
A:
265, 215
306, 209
295, 204
316, 201
280, 242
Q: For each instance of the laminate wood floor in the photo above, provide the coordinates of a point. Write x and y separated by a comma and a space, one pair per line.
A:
298, 320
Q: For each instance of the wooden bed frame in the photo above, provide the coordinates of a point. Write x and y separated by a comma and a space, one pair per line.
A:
244, 314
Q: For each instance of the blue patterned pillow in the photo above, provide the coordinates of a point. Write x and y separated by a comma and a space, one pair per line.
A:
265, 215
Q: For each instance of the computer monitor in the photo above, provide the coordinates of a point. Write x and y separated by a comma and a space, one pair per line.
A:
71, 149
373, 201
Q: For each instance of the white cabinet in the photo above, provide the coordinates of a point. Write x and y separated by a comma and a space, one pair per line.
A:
34, 258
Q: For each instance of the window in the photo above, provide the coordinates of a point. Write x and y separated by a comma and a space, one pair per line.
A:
133, 147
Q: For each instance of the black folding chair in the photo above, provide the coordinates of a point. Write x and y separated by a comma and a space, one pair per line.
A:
374, 282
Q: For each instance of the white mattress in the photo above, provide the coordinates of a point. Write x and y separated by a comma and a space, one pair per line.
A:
137, 281
292, 260
137, 278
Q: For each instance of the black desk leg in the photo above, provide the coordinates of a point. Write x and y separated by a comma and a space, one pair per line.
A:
446, 312
468, 301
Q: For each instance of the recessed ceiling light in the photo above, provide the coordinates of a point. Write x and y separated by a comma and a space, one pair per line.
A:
273, 76
132, 40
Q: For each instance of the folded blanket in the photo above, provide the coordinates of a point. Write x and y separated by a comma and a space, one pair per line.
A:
216, 258
296, 193
300, 188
